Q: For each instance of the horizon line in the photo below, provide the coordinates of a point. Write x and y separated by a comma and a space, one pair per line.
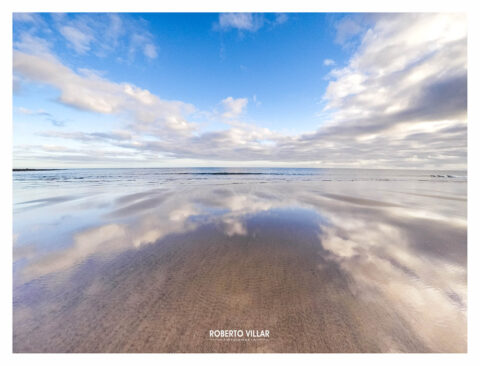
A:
231, 167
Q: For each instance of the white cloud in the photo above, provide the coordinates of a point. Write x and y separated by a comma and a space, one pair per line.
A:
25, 17
349, 27
92, 93
98, 34
29, 43
234, 107
150, 51
30, 112
240, 21
401, 59
115, 29
142, 42
281, 18
40, 112
328, 62
248, 21
78, 40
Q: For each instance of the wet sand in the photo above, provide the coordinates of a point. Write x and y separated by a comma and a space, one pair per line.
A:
322, 270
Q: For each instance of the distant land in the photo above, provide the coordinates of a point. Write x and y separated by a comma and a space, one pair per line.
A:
31, 170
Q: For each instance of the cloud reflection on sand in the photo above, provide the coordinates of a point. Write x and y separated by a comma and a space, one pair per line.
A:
429, 292
410, 261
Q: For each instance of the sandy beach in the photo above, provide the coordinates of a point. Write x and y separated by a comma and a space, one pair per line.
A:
337, 267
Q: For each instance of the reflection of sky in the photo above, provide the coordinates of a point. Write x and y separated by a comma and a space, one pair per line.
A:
400, 245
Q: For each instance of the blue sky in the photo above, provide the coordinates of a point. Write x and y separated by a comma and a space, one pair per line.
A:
233, 89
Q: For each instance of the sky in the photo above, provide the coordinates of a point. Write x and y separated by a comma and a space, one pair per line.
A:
240, 89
